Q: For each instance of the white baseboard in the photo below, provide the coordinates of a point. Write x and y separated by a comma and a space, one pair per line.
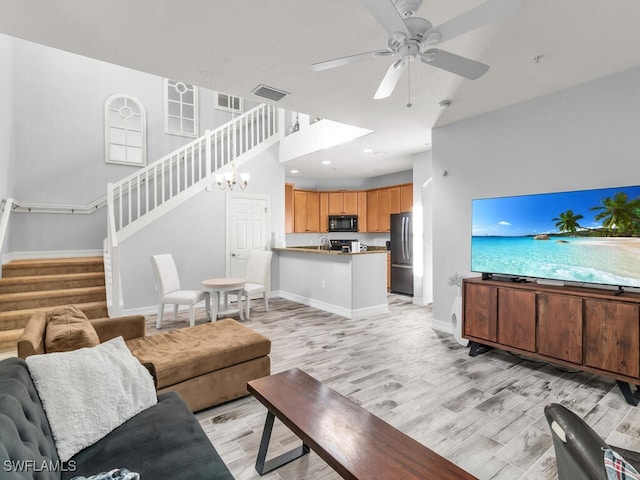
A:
442, 326
335, 309
32, 255
150, 310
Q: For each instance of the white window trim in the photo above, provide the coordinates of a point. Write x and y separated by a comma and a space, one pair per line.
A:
181, 132
227, 108
142, 131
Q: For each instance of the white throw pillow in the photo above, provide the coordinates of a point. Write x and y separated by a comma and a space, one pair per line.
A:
88, 392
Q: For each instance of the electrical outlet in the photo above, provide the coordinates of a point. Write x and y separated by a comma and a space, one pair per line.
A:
323, 284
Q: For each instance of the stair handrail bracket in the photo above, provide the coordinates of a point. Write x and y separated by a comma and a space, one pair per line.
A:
144, 196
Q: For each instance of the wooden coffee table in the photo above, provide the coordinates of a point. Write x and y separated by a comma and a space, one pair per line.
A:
353, 441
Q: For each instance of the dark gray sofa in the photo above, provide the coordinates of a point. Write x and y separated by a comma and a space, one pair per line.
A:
162, 442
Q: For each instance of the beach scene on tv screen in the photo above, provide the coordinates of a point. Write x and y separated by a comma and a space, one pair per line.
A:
590, 236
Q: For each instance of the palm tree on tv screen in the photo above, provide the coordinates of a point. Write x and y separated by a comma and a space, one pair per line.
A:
568, 221
618, 214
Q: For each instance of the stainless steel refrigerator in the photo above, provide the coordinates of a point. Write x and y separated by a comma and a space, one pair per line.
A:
401, 253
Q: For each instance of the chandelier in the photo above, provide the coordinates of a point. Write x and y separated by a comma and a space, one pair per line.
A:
231, 179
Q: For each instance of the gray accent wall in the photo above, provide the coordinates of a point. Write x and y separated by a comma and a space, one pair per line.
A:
579, 138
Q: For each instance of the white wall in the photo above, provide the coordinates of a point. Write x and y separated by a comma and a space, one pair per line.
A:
58, 139
422, 229
6, 126
583, 137
195, 234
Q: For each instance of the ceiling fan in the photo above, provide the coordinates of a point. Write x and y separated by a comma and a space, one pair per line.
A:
413, 37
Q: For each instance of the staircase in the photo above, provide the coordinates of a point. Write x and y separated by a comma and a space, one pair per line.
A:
29, 286
149, 193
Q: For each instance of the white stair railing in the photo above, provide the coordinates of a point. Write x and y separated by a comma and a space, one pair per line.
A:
139, 199
5, 211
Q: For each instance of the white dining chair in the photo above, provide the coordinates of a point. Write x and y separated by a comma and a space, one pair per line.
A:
257, 277
168, 284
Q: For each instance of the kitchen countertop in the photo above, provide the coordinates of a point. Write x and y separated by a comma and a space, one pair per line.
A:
312, 249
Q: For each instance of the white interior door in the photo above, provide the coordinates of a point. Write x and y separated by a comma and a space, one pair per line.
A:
247, 229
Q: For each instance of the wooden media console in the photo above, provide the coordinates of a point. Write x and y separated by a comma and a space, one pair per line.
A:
589, 329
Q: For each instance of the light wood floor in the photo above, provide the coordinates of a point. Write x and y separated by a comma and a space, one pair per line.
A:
484, 413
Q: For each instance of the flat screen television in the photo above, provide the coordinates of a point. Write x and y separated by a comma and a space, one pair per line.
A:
585, 236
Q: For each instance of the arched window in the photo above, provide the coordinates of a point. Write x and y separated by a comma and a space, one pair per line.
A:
180, 108
125, 136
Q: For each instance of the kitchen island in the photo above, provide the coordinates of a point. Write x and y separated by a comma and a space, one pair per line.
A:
352, 285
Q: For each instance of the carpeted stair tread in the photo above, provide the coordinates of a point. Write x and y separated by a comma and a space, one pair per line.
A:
52, 266
50, 282
9, 339
17, 319
42, 285
48, 298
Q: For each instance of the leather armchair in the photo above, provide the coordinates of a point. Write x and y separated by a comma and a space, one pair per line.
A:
579, 450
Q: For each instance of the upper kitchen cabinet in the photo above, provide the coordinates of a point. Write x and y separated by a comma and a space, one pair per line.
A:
288, 207
306, 211
324, 211
372, 211
384, 210
309, 210
362, 211
406, 198
401, 198
378, 210
343, 203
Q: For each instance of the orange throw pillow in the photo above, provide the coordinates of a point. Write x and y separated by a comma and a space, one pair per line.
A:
68, 329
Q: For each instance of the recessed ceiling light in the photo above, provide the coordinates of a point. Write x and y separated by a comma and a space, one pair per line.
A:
367, 150
326, 162
294, 171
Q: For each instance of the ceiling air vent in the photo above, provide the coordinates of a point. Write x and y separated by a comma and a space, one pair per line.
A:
269, 92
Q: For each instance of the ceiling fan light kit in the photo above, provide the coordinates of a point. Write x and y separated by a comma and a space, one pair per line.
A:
410, 37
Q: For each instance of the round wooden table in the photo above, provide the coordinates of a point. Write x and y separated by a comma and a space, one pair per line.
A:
224, 286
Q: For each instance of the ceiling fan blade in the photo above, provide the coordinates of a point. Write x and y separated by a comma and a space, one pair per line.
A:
490, 12
339, 62
387, 15
453, 63
390, 80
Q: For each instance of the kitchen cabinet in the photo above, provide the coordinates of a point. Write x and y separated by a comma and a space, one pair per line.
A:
373, 207
362, 212
372, 211
324, 211
584, 328
384, 210
288, 207
388, 271
378, 210
394, 200
306, 211
343, 203
406, 198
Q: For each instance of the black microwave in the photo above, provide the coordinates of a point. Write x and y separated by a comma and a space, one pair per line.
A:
343, 223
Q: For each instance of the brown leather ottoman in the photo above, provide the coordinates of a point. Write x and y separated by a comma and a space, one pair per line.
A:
207, 364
